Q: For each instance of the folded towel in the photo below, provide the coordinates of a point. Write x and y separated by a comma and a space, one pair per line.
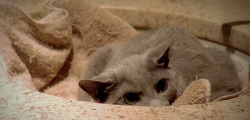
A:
52, 45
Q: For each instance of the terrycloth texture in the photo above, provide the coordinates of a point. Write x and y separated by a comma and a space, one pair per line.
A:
39, 43
16, 69
198, 92
48, 49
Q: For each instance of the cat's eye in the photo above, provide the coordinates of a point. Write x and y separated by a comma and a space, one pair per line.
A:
161, 86
130, 98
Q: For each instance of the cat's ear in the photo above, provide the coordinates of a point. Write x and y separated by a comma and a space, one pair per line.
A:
158, 56
99, 91
164, 59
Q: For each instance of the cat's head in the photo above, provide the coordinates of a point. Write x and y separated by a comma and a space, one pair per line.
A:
147, 80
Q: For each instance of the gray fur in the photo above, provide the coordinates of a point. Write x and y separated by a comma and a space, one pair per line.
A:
132, 67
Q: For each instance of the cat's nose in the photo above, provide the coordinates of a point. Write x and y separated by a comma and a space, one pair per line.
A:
157, 102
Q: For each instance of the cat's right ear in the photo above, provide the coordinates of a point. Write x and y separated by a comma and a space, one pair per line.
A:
99, 91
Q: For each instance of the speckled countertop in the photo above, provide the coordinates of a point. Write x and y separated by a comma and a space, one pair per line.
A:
20, 103
204, 19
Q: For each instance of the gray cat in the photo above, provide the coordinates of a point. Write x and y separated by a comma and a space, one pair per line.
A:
155, 67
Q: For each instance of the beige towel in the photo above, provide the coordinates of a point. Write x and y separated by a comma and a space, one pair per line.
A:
52, 45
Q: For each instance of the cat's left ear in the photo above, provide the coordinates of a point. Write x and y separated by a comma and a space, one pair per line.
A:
158, 56
99, 91
164, 59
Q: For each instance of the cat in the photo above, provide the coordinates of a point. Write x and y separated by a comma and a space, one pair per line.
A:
155, 67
